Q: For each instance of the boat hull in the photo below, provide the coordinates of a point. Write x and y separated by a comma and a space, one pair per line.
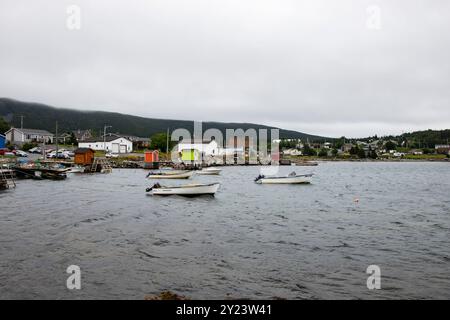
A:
188, 190
183, 175
285, 180
209, 171
76, 170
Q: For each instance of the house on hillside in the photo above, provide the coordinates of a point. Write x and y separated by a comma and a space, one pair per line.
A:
416, 152
21, 136
82, 135
346, 147
113, 144
442, 148
64, 138
292, 152
139, 142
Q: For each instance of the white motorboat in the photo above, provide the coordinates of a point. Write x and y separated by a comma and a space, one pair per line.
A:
185, 190
209, 171
175, 174
292, 178
76, 169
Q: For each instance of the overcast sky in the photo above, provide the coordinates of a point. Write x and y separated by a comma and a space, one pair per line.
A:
324, 67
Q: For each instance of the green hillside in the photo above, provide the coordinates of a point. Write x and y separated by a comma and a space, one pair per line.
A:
40, 116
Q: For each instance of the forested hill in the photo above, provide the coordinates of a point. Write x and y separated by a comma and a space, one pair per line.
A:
427, 138
40, 116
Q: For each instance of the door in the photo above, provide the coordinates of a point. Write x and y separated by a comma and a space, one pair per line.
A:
115, 148
123, 148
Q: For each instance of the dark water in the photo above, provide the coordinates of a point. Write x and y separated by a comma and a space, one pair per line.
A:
250, 241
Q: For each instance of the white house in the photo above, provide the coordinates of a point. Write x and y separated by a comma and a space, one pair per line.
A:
443, 148
114, 144
207, 148
21, 136
292, 152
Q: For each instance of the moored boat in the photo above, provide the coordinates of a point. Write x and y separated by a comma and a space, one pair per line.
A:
292, 178
185, 190
209, 171
307, 163
40, 172
76, 169
170, 174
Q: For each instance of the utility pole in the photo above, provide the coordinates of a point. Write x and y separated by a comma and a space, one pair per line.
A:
43, 151
56, 139
104, 137
167, 145
21, 122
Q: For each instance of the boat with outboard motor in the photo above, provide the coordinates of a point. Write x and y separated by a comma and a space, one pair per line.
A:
184, 190
209, 171
170, 174
292, 178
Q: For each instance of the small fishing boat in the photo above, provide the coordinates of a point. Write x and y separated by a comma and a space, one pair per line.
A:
40, 172
209, 171
76, 169
292, 178
307, 164
175, 174
185, 190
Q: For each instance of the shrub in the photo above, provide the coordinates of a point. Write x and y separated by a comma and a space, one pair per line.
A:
323, 153
28, 145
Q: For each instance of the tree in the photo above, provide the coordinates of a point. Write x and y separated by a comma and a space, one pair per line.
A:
72, 139
373, 154
390, 146
4, 126
308, 151
28, 145
159, 142
323, 153
361, 153
354, 150
339, 143
335, 152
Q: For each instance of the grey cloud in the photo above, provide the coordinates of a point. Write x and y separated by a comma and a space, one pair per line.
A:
308, 66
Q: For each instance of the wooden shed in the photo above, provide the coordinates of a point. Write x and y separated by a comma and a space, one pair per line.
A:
190, 155
84, 156
151, 156
151, 159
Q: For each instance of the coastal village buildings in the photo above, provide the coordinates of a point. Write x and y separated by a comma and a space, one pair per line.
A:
292, 152
82, 135
21, 136
113, 144
139, 142
442, 148
64, 138
346, 147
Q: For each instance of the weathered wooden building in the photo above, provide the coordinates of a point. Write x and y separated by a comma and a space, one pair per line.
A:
84, 156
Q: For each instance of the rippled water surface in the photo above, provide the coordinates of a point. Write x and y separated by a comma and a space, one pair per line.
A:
250, 241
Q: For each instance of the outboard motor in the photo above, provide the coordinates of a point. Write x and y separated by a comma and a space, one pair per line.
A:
156, 185
259, 177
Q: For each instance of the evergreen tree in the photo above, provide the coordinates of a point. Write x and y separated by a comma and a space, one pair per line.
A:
4, 126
